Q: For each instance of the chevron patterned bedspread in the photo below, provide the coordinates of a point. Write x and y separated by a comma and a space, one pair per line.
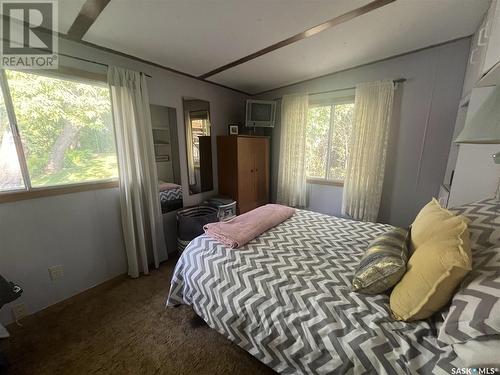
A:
171, 194
285, 298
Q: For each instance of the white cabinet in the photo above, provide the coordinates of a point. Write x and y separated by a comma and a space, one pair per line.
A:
475, 174
489, 38
483, 68
476, 59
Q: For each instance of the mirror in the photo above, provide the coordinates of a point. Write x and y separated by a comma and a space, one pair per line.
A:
198, 144
166, 146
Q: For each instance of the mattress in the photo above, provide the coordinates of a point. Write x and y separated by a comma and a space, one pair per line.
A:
286, 298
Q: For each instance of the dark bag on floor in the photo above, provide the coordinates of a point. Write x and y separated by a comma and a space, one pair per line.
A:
8, 291
190, 222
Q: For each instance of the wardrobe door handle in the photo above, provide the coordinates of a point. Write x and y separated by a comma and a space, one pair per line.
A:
251, 170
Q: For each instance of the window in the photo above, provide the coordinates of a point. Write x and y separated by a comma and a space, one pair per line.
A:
54, 131
328, 135
200, 127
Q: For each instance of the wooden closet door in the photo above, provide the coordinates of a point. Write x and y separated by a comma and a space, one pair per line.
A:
246, 175
261, 157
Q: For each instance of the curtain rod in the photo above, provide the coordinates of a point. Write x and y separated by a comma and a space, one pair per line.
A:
396, 81
92, 61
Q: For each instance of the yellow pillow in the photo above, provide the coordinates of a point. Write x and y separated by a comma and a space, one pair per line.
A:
432, 221
437, 266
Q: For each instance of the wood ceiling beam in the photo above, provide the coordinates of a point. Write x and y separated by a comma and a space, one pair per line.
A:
303, 35
87, 16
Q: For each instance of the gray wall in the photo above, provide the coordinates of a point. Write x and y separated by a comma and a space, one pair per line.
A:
82, 231
423, 121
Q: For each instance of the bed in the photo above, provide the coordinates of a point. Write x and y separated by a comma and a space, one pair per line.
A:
170, 197
285, 297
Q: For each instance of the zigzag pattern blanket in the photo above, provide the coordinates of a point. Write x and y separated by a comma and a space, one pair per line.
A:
285, 297
171, 194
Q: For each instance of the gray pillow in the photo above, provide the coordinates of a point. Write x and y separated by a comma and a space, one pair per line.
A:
484, 226
383, 264
478, 353
475, 308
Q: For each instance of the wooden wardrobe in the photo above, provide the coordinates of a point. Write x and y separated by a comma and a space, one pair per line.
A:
243, 169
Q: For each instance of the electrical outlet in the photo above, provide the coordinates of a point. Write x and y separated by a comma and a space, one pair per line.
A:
19, 311
56, 272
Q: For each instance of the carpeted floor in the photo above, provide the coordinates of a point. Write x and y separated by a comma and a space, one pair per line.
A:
122, 327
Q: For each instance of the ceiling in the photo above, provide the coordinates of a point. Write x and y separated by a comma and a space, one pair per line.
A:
198, 36
68, 11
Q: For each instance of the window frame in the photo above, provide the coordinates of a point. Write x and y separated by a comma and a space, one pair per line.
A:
328, 102
30, 192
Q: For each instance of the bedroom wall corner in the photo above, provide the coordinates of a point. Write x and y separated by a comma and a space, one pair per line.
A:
428, 103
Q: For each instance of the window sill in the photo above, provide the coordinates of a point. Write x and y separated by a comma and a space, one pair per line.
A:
320, 181
56, 190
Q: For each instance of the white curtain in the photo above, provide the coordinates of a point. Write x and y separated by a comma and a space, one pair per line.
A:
140, 207
366, 164
292, 169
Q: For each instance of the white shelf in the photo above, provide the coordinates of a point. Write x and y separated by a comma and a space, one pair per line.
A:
491, 78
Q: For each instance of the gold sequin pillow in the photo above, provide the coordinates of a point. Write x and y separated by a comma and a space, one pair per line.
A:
383, 264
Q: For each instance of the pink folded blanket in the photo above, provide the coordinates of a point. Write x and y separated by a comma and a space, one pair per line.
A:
244, 228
